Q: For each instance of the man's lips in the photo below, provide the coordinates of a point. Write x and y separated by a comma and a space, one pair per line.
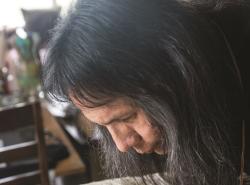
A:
157, 148
143, 151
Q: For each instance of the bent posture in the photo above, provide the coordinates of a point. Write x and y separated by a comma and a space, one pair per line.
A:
159, 80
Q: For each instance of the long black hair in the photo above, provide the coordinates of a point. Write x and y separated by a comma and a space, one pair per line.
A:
167, 59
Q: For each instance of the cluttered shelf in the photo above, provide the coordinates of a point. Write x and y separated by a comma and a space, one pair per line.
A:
65, 165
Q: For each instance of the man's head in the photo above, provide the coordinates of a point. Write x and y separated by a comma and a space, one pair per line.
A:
127, 124
146, 72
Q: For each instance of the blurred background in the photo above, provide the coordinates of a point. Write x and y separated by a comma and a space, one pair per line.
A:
11, 13
25, 27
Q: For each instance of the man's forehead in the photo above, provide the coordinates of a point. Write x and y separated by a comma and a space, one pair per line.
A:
102, 114
116, 103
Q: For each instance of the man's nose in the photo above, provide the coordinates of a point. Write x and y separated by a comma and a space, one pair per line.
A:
123, 137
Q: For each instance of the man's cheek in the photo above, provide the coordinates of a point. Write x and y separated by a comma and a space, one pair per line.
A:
149, 134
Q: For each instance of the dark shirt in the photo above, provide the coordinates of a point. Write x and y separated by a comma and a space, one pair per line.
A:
234, 21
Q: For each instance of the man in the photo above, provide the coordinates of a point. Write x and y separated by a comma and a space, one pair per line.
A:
158, 80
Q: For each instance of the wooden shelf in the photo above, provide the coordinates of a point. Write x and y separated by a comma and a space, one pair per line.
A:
71, 165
